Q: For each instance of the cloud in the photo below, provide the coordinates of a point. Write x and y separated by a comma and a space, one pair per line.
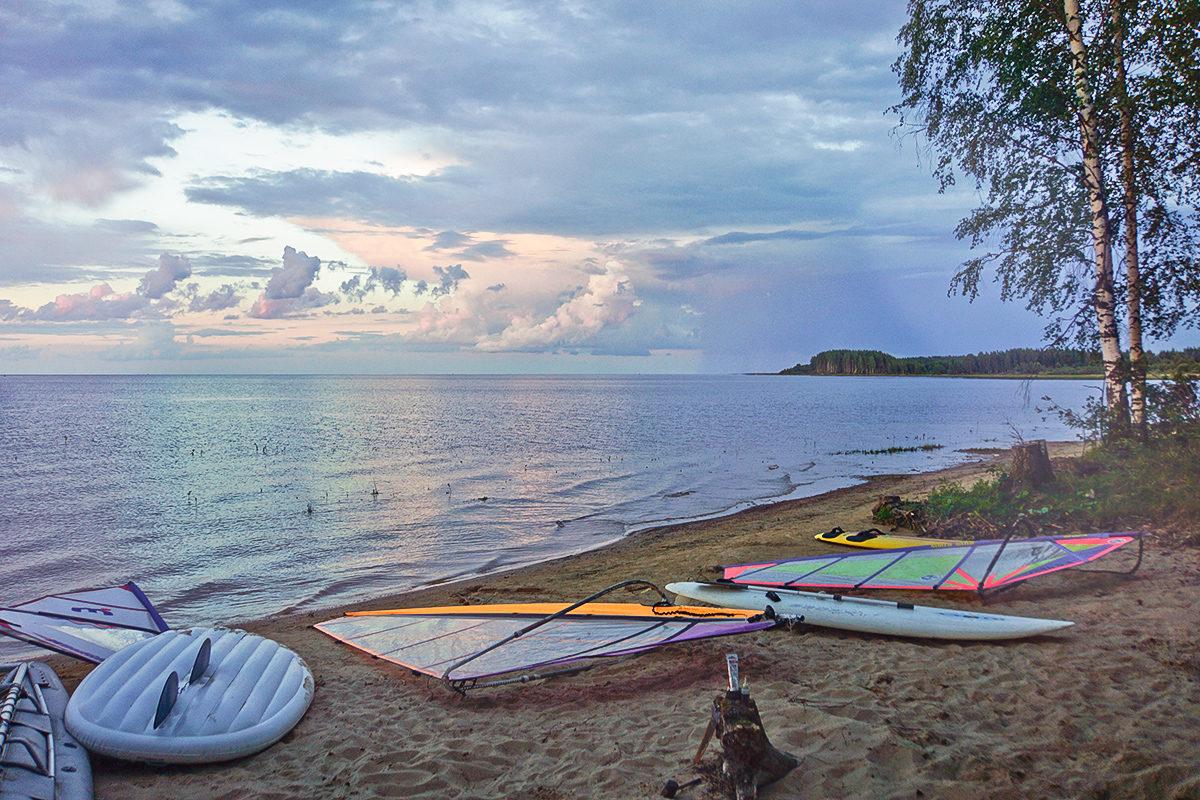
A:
311, 298
232, 265
9, 310
468, 248
42, 247
496, 287
162, 279
608, 299
741, 237
290, 281
127, 225
449, 278
154, 341
449, 240
100, 303
482, 251
389, 279
222, 332
290, 292
219, 299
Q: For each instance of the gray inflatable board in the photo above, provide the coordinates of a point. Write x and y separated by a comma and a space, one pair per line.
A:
39, 760
189, 697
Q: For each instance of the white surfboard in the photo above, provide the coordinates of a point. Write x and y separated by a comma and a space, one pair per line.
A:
870, 616
188, 697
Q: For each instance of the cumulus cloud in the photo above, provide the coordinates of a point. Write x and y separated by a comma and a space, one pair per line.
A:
290, 281
290, 292
219, 299
310, 299
99, 303
608, 299
162, 279
448, 279
9, 310
389, 279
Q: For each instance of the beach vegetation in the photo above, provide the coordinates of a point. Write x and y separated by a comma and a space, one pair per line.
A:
1115, 484
884, 451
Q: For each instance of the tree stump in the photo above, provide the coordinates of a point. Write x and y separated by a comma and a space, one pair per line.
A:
748, 759
1031, 467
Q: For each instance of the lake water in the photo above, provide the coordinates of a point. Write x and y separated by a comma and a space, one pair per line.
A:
199, 488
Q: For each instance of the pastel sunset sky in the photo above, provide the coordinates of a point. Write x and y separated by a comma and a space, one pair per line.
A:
467, 187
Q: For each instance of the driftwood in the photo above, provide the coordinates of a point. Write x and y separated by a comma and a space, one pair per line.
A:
1031, 467
747, 760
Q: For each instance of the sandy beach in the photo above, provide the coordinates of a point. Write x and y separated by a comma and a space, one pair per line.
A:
1107, 709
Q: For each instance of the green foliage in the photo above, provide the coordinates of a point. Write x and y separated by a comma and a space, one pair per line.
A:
1108, 488
988, 95
1121, 483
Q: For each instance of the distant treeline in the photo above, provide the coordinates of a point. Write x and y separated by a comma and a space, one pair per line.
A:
1018, 361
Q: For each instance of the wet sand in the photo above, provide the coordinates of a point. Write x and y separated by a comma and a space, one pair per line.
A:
1106, 709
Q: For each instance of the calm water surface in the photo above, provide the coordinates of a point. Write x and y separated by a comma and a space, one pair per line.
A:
199, 487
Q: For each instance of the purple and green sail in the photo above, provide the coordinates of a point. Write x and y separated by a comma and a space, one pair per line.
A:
982, 565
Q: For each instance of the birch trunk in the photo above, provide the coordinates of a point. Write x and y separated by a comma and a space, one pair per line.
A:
1093, 177
1137, 363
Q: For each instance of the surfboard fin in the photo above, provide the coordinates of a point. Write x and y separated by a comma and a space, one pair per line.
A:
202, 659
166, 700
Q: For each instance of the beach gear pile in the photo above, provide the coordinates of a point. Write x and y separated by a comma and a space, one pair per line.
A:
213, 694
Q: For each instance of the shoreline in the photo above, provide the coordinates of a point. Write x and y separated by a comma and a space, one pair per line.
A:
970, 469
867, 716
972, 376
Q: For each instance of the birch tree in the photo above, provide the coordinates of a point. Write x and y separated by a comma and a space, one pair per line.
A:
1129, 200
991, 92
1093, 180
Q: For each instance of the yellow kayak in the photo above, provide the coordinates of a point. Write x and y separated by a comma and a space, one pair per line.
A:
875, 539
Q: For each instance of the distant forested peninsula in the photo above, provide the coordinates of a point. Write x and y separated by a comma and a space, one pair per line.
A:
1015, 363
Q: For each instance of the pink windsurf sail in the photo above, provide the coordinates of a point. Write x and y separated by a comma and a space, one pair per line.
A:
979, 566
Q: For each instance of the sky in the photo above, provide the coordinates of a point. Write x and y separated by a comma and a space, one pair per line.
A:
449, 186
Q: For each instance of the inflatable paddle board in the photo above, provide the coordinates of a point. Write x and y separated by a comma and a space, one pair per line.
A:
870, 616
38, 758
188, 697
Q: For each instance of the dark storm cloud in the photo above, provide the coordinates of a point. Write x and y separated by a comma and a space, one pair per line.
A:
700, 115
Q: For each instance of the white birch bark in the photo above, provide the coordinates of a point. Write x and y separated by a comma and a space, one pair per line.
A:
1093, 177
1133, 300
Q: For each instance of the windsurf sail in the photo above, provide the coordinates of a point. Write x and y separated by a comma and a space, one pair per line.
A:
467, 645
982, 565
89, 624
